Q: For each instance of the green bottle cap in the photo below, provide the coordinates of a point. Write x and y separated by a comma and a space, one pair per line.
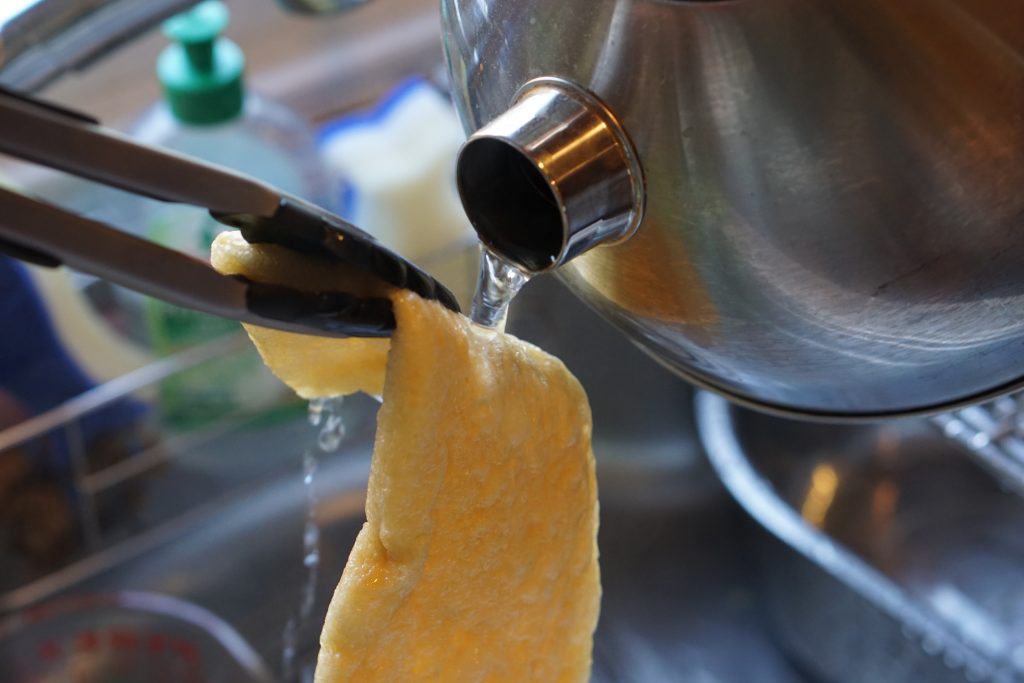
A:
201, 72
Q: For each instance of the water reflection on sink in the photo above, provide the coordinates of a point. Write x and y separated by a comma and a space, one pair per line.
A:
678, 603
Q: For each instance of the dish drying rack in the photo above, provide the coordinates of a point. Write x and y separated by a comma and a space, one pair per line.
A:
177, 474
893, 557
993, 433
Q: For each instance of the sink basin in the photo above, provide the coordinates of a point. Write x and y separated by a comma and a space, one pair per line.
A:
678, 600
908, 554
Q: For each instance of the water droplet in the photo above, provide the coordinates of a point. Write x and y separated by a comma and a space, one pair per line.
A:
311, 537
311, 559
288, 649
309, 465
331, 423
308, 601
316, 410
332, 432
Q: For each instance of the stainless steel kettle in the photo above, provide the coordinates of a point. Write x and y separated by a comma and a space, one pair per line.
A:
814, 206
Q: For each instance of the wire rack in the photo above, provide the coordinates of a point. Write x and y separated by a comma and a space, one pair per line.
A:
164, 470
993, 433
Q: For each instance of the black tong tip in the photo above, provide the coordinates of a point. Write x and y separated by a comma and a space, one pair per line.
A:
307, 229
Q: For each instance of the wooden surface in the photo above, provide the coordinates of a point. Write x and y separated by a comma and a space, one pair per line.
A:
319, 66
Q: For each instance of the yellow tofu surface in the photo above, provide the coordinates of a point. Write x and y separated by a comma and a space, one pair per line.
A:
478, 558
313, 367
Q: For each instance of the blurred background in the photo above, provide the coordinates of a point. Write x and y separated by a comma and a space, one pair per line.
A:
169, 511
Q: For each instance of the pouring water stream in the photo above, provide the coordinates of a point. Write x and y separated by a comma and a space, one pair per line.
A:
324, 413
497, 284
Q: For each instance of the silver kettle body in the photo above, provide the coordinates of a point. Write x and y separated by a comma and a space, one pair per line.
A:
833, 219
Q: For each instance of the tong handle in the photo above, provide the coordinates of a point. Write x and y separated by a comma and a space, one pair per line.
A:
47, 235
40, 233
59, 138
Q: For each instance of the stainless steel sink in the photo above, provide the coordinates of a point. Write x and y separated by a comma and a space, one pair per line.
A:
678, 599
678, 603
908, 554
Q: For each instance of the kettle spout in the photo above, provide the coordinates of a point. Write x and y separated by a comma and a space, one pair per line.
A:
550, 178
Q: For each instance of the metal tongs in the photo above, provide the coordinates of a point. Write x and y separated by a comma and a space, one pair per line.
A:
75, 143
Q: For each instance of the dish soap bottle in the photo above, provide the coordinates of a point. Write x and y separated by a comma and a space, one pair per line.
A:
207, 113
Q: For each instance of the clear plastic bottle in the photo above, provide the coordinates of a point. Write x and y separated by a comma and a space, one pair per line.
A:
267, 141
206, 113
